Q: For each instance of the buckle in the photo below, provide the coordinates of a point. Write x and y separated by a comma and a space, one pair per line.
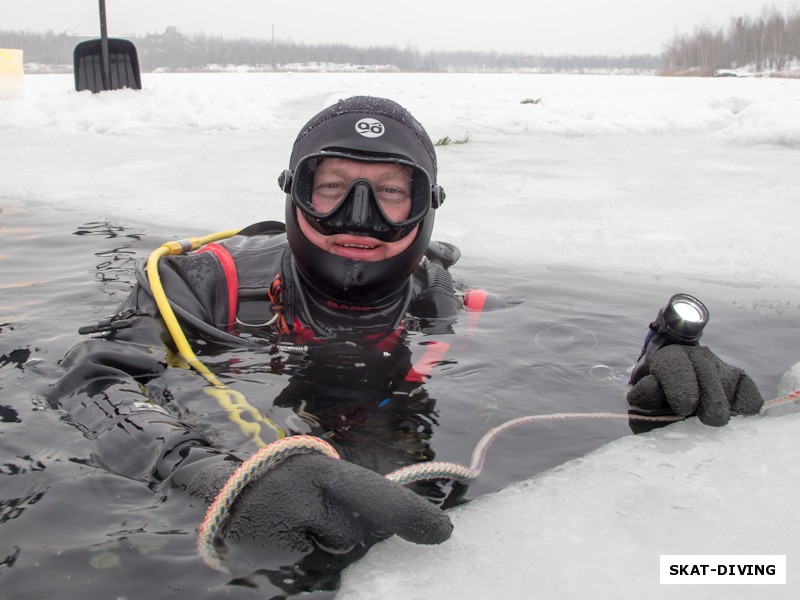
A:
120, 321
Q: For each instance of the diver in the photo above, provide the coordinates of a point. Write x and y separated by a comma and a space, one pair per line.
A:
327, 298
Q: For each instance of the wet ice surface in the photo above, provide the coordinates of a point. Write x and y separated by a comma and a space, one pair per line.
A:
596, 526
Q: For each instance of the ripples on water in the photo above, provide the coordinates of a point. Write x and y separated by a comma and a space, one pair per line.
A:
68, 529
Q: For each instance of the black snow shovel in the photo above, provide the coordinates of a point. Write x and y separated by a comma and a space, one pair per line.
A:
107, 63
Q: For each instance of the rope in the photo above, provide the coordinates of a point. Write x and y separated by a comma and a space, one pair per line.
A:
446, 470
795, 395
219, 510
456, 472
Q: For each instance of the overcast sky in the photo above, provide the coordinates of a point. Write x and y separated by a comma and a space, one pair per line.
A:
535, 26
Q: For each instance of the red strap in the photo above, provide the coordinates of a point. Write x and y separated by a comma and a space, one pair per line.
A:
231, 278
434, 353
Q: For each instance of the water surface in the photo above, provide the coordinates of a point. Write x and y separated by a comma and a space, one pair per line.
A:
69, 529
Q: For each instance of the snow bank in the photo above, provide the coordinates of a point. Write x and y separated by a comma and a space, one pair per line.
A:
747, 110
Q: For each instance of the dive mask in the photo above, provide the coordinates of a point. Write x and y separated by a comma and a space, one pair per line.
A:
360, 206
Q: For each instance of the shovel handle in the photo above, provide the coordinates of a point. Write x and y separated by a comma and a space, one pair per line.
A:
106, 63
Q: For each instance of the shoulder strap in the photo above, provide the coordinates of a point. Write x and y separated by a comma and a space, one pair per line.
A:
231, 279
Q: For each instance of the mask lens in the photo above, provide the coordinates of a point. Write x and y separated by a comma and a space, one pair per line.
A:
400, 200
303, 187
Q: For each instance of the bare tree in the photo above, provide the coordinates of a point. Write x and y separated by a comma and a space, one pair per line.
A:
767, 42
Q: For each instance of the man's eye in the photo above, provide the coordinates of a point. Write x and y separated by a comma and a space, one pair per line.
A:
329, 187
395, 190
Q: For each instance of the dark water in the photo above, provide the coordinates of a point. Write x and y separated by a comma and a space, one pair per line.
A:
68, 529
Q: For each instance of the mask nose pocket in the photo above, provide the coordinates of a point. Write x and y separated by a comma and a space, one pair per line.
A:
360, 206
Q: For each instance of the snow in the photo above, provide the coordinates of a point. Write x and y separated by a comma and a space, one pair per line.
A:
634, 165
666, 177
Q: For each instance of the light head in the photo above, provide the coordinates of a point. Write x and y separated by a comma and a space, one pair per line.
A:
683, 319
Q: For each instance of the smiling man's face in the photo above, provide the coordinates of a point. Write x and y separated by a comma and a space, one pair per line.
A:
332, 179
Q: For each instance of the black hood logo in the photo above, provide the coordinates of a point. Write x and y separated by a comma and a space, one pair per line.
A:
369, 127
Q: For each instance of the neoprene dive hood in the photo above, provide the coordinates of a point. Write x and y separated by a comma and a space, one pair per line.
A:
367, 129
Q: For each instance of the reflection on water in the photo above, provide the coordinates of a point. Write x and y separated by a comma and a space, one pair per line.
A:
117, 263
609, 375
566, 339
17, 357
69, 529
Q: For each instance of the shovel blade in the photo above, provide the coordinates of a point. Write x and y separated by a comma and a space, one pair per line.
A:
123, 66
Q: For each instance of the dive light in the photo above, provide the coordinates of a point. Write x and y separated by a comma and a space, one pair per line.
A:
681, 321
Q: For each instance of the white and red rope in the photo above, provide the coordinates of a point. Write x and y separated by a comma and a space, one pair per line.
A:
218, 512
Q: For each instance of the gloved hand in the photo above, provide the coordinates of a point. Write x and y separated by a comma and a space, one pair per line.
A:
689, 379
313, 498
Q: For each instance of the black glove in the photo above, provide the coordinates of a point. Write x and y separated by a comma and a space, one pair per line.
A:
313, 498
692, 379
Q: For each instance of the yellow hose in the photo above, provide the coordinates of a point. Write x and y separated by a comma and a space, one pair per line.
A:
239, 410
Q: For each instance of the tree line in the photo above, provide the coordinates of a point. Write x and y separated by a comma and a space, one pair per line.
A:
174, 51
769, 42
